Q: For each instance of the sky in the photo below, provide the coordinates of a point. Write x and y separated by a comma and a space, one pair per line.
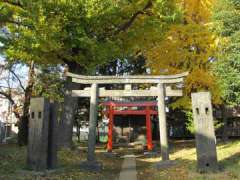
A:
1, 59
20, 70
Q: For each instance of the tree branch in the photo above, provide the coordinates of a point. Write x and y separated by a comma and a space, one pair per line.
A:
16, 3
15, 75
5, 87
15, 22
19, 81
127, 24
14, 105
8, 96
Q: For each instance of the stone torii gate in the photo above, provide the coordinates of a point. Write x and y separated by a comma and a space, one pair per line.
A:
161, 89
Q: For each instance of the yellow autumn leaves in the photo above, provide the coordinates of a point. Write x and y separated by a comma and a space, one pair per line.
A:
188, 46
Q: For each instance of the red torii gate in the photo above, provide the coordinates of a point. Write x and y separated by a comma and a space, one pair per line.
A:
148, 111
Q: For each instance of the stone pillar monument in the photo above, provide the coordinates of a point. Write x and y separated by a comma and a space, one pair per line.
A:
38, 134
42, 138
53, 136
204, 132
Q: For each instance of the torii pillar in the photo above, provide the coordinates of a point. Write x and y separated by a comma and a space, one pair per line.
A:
149, 129
92, 123
91, 163
110, 128
162, 122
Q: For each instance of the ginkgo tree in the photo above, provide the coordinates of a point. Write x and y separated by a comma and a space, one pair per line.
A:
80, 33
89, 32
188, 46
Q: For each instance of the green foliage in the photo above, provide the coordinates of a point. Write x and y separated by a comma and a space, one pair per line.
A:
227, 26
49, 83
89, 32
189, 121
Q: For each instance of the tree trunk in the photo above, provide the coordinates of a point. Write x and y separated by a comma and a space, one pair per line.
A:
69, 110
225, 125
68, 114
78, 132
23, 121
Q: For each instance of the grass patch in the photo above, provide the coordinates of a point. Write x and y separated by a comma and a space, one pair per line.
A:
13, 158
185, 155
12, 161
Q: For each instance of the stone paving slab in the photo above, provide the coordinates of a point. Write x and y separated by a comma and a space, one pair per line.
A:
128, 171
92, 166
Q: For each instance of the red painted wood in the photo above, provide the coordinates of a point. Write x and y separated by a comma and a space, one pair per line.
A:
130, 104
147, 112
110, 128
148, 129
132, 112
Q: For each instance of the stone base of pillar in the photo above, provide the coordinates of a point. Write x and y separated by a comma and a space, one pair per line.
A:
209, 169
151, 154
93, 166
26, 172
111, 154
165, 164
